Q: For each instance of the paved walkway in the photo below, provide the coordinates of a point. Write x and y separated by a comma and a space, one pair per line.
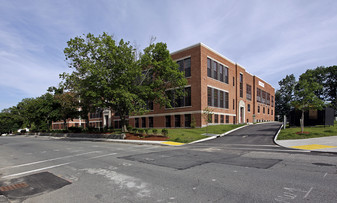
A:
321, 144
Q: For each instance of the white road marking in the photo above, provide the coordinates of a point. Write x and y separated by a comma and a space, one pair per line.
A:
54, 166
306, 195
36, 170
38, 162
325, 175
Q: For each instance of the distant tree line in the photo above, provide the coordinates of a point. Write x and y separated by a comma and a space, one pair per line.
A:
105, 74
315, 89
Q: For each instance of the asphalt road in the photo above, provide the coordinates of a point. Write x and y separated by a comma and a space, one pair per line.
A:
244, 166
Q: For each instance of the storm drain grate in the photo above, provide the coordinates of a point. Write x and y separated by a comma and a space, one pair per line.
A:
13, 187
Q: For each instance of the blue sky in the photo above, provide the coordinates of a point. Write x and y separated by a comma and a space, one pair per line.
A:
270, 38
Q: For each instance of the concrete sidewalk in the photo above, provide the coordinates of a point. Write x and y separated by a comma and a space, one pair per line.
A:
320, 144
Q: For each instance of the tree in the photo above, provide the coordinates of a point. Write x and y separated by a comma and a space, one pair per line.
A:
207, 114
305, 97
10, 120
285, 95
110, 75
331, 86
68, 106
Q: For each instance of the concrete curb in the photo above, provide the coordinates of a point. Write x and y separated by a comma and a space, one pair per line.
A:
312, 151
140, 142
221, 135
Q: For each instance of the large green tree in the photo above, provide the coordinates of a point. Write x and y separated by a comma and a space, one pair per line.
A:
305, 97
111, 75
285, 95
10, 120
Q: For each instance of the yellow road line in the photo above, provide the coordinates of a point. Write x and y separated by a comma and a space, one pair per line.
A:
313, 146
172, 143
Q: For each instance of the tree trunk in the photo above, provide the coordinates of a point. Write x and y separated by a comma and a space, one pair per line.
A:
302, 122
124, 128
65, 124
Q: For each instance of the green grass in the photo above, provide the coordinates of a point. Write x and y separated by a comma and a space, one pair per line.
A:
314, 131
192, 134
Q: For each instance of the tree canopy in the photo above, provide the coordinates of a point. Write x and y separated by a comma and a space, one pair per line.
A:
111, 75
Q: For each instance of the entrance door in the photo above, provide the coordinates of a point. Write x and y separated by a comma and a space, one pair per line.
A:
241, 115
106, 121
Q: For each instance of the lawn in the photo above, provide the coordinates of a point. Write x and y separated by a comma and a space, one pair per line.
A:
314, 131
187, 135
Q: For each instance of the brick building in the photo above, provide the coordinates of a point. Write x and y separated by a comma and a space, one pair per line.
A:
233, 95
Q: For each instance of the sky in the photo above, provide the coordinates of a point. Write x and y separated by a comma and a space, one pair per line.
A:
269, 38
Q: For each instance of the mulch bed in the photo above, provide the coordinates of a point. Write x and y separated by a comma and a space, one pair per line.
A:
149, 137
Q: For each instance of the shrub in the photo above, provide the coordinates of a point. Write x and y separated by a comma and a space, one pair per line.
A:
164, 131
154, 131
75, 129
129, 128
146, 131
193, 122
140, 131
134, 130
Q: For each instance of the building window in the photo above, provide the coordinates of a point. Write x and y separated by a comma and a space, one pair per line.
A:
221, 99
227, 119
150, 122
226, 74
248, 107
215, 102
97, 114
209, 96
233, 104
268, 98
143, 122
216, 118
215, 70
217, 98
150, 105
249, 92
222, 118
272, 112
272, 101
185, 65
258, 109
241, 85
136, 123
177, 121
221, 72
209, 68
168, 121
268, 110
188, 96
264, 110
177, 101
187, 120
233, 81
258, 95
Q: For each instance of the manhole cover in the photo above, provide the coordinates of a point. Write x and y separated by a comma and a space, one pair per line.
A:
23, 187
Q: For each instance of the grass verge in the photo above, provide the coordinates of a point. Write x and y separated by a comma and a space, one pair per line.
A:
186, 135
314, 131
